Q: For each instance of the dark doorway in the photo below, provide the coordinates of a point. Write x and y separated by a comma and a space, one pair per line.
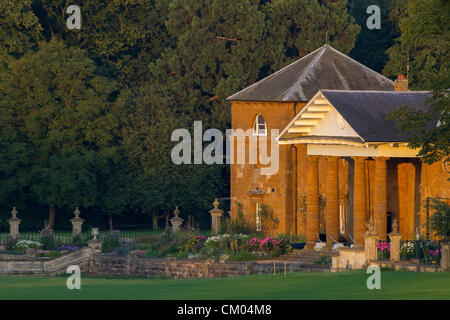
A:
389, 222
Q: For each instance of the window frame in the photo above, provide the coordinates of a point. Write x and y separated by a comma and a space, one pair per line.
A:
256, 126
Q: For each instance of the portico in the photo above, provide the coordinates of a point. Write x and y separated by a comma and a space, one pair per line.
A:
356, 170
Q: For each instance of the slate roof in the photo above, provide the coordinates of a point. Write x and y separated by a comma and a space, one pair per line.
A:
324, 68
366, 111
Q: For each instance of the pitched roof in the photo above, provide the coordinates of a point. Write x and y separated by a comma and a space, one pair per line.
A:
324, 68
366, 111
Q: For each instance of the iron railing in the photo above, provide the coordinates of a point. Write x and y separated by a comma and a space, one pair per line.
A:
384, 250
127, 232
423, 251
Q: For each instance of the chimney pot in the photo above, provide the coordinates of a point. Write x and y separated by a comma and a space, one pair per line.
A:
401, 84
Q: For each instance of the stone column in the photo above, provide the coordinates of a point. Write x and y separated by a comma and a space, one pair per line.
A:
395, 237
370, 242
216, 213
312, 202
445, 257
176, 221
332, 206
77, 223
302, 174
14, 223
359, 201
406, 193
380, 198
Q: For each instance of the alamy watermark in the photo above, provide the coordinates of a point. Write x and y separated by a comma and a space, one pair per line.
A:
74, 21
236, 144
374, 21
74, 280
374, 281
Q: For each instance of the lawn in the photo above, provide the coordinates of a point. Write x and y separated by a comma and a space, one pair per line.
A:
316, 285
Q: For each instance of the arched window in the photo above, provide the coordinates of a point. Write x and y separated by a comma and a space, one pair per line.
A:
260, 128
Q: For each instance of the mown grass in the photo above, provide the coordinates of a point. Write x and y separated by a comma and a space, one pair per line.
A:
315, 285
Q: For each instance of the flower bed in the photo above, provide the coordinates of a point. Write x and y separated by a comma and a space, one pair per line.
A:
192, 245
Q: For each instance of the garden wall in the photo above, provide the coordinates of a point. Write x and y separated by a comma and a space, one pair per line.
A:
121, 266
23, 265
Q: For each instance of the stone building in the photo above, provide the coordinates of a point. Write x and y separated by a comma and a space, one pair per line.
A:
340, 160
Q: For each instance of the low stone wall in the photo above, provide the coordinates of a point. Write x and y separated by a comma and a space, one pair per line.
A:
405, 266
178, 269
23, 265
349, 258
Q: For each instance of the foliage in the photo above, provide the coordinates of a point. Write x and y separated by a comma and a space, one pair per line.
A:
323, 259
440, 220
48, 253
111, 240
47, 238
23, 245
293, 238
269, 221
371, 45
81, 240
423, 49
407, 250
11, 242
239, 224
384, 249
423, 43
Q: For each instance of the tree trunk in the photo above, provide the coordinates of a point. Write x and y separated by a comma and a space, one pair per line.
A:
51, 218
110, 223
155, 220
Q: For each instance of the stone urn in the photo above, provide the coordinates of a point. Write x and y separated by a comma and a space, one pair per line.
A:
95, 232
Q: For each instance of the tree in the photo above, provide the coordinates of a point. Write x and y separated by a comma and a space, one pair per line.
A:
424, 44
54, 106
19, 30
297, 28
429, 131
371, 45
422, 50
440, 220
120, 36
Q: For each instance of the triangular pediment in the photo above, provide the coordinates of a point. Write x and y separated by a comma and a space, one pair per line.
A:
320, 122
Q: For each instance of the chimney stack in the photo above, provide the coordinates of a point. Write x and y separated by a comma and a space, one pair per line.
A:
401, 84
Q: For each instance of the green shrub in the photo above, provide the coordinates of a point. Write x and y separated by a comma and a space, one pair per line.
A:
323, 259
440, 220
242, 255
11, 242
49, 254
111, 240
81, 240
124, 250
240, 224
47, 238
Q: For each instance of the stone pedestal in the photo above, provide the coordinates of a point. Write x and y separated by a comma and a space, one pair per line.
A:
77, 223
95, 246
176, 221
395, 238
445, 257
370, 243
216, 213
14, 223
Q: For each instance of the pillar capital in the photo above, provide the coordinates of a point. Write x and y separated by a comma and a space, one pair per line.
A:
332, 158
359, 159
